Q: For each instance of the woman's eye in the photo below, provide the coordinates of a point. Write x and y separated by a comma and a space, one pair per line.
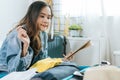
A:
49, 17
42, 16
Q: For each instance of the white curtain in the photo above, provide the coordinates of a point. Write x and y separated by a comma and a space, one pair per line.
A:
112, 34
100, 18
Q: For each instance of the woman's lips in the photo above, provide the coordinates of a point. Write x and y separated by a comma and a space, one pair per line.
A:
45, 25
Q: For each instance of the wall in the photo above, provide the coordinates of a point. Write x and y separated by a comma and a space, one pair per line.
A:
10, 13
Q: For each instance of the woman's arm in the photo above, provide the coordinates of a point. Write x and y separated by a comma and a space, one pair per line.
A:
17, 60
22, 35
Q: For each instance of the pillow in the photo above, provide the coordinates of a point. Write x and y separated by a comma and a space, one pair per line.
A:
105, 72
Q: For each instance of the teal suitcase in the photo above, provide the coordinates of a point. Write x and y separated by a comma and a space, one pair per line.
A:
57, 46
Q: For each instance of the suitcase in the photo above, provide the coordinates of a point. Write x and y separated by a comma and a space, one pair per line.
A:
57, 46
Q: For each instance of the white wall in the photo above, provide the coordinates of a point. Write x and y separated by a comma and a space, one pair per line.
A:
11, 11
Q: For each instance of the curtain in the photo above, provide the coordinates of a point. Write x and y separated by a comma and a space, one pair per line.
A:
103, 20
100, 18
111, 32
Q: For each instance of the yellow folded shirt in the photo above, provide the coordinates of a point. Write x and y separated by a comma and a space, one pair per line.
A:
45, 64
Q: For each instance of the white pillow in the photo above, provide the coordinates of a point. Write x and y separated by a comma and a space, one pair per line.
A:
102, 73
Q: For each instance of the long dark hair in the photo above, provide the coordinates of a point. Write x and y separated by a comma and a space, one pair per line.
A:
30, 20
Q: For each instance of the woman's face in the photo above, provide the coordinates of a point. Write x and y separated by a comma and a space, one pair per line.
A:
44, 19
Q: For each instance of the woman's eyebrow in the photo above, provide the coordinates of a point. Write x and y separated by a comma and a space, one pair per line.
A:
45, 14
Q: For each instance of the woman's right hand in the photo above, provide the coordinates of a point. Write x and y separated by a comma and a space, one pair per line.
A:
22, 35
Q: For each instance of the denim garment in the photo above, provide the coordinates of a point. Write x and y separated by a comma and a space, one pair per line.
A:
10, 53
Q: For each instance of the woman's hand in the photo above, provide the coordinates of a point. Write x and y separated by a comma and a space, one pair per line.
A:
68, 57
22, 35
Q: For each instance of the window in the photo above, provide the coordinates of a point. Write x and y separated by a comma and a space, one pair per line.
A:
71, 7
112, 7
90, 7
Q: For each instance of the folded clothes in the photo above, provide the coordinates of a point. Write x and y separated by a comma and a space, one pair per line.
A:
58, 72
45, 64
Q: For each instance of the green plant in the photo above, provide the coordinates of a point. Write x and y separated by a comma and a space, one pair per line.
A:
75, 27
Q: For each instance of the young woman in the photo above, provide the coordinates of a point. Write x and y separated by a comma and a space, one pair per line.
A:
27, 43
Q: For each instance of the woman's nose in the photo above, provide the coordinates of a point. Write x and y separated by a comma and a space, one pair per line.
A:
46, 20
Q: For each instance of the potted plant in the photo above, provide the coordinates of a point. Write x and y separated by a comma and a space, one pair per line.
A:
75, 30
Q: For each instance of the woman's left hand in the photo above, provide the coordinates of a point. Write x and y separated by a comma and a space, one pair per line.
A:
67, 58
